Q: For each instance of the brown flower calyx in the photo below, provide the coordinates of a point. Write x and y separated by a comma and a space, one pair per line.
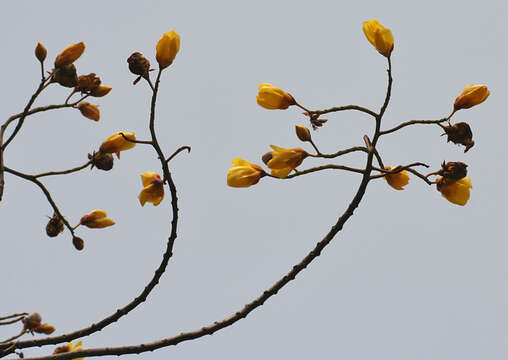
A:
454, 170
32, 321
78, 243
102, 161
139, 65
459, 133
88, 83
55, 226
267, 157
315, 121
66, 76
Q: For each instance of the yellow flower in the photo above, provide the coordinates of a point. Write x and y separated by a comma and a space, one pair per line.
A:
97, 219
89, 111
167, 48
70, 54
456, 192
153, 188
471, 95
116, 143
284, 160
379, 36
271, 97
70, 347
397, 180
244, 174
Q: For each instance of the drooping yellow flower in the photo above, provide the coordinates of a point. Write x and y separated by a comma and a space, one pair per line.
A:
244, 174
271, 97
471, 95
116, 143
97, 219
379, 36
70, 54
153, 188
167, 48
70, 347
455, 191
89, 111
397, 180
284, 160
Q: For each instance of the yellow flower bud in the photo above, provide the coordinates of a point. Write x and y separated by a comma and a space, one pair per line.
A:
40, 52
100, 91
89, 111
397, 180
283, 160
455, 191
167, 48
244, 174
379, 36
271, 97
97, 219
45, 329
116, 143
153, 188
471, 95
70, 54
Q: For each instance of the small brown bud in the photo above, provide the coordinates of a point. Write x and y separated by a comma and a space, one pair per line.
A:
88, 83
303, 133
32, 321
62, 349
55, 226
454, 170
100, 160
460, 133
66, 76
70, 54
40, 52
138, 64
78, 243
100, 91
45, 329
267, 157
89, 111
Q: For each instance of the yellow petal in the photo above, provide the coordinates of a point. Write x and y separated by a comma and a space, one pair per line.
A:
70, 54
397, 180
167, 48
457, 192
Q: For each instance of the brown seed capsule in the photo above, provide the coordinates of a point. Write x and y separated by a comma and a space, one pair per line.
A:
32, 321
88, 83
40, 52
55, 226
66, 76
267, 157
89, 111
138, 64
100, 160
460, 133
78, 243
303, 133
100, 91
454, 170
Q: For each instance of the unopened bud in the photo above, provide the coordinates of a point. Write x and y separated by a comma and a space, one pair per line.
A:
89, 111
303, 133
100, 91
40, 52
32, 321
88, 83
55, 226
267, 157
138, 64
69, 54
100, 160
460, 133
454, 170
66, 76
45, 329
78, 243
62, 349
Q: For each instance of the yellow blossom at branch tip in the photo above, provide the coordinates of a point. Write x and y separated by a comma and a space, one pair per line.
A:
284, 160
379, 36
471, 95
167, 48
153, 188
244, 174
455, 191
70, 54
271, 97
397, 180
116, 143
97, 219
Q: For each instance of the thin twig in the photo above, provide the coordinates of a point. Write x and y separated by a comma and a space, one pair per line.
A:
148, 142
342, 152
23, 332
325, 167
188, 148
13, 315
343, 108
8, 322
412, 122
63, 172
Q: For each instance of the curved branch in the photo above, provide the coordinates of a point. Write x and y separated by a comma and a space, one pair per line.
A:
63, 172
324, 167
343, 108
342, 152
412, 122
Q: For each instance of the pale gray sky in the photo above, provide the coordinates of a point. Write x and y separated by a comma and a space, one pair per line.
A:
412, 276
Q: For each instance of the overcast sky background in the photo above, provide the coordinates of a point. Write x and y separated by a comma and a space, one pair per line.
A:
412, 276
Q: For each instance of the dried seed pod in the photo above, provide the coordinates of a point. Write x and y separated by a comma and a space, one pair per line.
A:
454, 170
88, 83
55, 226
138, 64
101, 160
32, 321
66, 76
460, 133
78, 243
